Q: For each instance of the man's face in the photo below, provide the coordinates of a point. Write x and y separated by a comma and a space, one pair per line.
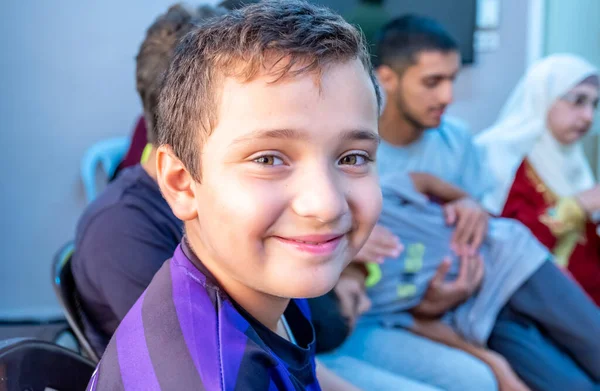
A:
425, 89
289, 190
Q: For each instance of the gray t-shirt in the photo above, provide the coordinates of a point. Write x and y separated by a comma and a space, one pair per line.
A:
511, 255
447, 152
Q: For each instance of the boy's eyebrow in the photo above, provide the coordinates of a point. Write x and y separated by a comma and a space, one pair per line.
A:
361, 134
358, 134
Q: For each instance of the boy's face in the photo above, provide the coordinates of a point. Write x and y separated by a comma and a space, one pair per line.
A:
289, 193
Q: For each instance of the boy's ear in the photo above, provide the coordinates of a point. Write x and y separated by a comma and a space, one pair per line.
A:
388, 78
176, 184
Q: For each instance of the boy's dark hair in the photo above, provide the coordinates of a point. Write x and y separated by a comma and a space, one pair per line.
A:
399, 42
156, 51
236, 4
283, 38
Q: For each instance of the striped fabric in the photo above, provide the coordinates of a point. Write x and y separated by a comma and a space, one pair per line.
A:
185, 333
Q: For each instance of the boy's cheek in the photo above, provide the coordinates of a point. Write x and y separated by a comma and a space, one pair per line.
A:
368, 200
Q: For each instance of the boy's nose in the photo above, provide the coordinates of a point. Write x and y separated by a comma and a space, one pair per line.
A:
320, 197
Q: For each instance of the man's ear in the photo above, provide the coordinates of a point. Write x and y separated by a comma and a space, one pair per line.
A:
388, 78
176, 184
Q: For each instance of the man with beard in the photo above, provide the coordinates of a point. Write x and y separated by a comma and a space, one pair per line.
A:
416, 64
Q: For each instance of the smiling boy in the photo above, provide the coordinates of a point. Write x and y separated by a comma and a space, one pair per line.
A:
267, 123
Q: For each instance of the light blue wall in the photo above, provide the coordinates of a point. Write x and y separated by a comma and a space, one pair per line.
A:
67, 81
573, 26
482, 89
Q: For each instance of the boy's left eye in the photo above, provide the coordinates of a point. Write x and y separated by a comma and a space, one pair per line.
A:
354, 159
269, 160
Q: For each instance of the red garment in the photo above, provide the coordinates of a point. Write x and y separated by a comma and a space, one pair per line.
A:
527, 201
139, 139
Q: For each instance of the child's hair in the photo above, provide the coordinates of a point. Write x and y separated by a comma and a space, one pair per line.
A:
235, 4
284, 38
157, 49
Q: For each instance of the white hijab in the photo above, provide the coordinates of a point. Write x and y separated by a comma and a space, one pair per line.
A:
520, 132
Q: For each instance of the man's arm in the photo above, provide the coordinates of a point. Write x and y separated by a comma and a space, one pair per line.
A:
439, 332
329, 381
465, 214
433, 186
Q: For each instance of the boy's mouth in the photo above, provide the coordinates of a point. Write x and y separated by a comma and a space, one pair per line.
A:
313, 244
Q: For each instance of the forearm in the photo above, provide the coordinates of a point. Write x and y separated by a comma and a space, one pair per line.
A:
434, 308
433, 186
439, 332
446, 192
428, 310
589, 201
329, 381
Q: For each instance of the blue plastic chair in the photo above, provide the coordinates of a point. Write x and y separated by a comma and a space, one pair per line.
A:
109, 154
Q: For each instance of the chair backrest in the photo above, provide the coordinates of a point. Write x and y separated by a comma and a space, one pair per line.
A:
34, 365
107, 153
66, 292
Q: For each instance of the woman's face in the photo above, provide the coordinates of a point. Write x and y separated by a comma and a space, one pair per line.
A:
571, 115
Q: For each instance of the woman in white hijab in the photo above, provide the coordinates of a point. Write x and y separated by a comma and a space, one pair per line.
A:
542, 176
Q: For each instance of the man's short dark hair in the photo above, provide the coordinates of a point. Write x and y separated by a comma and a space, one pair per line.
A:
157, 49
399, 42
282, 38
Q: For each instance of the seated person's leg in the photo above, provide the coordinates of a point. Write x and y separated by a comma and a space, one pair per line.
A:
565, 313
368, 377
538, 362
401, 352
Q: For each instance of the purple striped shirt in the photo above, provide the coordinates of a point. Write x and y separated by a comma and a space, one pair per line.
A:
186, 333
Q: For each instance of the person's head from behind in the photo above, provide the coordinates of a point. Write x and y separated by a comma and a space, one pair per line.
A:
156, 51
416, 62
236, 4
268, 127
571, 86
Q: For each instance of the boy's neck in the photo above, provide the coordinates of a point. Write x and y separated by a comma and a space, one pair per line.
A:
265, 308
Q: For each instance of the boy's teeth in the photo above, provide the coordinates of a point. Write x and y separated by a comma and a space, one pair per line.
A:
301, 241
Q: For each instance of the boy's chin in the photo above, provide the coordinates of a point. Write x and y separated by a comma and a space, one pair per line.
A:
310, 286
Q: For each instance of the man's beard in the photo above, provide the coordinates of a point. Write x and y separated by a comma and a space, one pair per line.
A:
409, 117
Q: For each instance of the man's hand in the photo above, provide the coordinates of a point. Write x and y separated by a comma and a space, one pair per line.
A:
590, 200
353, 299
442, 296
507, 379
380, 245
471, 222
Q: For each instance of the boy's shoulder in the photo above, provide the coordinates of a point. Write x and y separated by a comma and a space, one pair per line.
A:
184, 333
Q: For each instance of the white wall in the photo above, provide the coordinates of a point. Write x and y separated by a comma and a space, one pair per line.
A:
481, 89
67, 81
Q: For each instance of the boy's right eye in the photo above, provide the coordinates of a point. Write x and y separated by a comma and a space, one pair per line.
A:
269, 160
